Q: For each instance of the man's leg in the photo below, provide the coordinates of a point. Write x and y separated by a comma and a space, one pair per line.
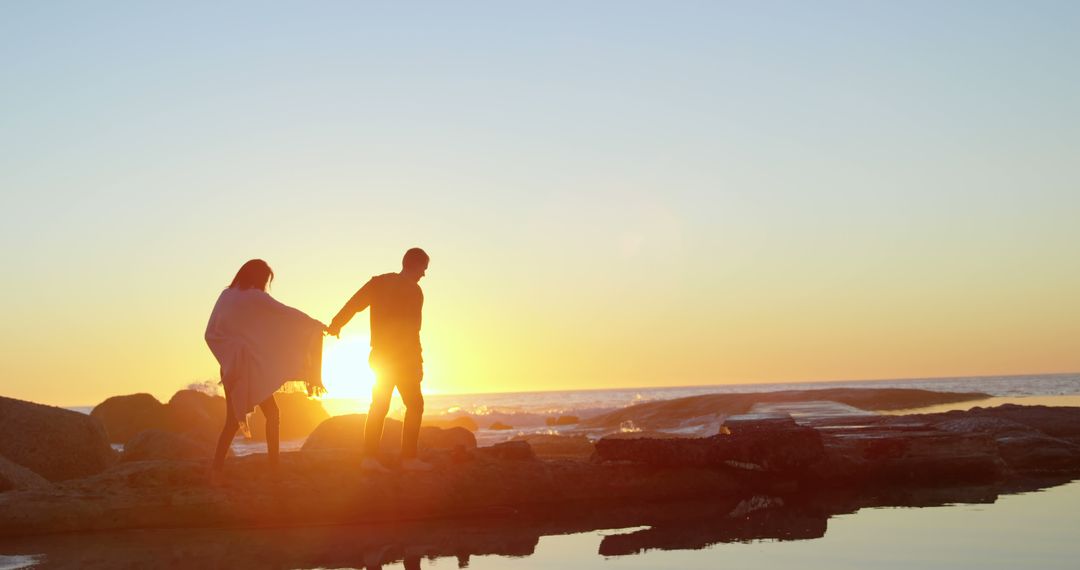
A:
409, 388
380, 405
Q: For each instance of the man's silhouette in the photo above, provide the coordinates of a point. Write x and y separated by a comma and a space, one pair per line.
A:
396, 302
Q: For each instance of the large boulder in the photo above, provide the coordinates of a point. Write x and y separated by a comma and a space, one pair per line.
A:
16, 477
454, 421
55, 443
300, 415
125, 416
449, 438
347, 432
156, 444
197, 414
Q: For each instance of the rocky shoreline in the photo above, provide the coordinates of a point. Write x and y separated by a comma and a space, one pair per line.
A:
768, 463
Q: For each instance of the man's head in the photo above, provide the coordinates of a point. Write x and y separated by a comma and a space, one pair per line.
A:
415, 263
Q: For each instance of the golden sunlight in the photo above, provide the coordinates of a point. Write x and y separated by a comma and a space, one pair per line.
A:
346, 373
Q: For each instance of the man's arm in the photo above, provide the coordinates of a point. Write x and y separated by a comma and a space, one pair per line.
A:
359, 301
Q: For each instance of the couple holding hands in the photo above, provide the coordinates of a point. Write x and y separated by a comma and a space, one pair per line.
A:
261, 343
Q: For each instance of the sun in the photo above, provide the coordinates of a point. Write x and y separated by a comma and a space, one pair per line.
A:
346, 373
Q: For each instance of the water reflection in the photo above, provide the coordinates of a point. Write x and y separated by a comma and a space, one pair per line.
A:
681, 526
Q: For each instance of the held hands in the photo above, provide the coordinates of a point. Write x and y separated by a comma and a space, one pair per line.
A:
332, 330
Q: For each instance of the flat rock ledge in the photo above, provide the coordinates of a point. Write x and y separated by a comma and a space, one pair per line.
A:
765, 454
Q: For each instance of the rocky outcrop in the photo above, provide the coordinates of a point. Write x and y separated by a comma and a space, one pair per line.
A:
671, 414
561, 420
197, 414
454, 421
300, 415
55, 443
1058, 422
509, 450
157, 444
558, 446
347, 432
125, 416
769, 472
763, 444
449, 438
16, 477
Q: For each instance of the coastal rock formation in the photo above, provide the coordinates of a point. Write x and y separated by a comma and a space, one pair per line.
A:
190, 412
509, 450
16, 477
673, 414
197, 414
125, 416
1059, 422
449, 438
499, 426
911, 453
456, 421
55, 443
750, 443
563, 446
767, 471
347, 432
561, 420
157, 444
300, 415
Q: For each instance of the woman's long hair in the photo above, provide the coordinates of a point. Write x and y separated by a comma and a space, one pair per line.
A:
255, 274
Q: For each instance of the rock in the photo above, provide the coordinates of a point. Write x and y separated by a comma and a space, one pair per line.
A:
347, 432
197, 414
55, 443
728, 485
753, 444
673, 414
16, 477
566, 446
300, 415
125, 416
499, 426
906, 454
1061, 422
457, 421
157, 444
451, 438
1038, 453
509, 450
646, 434
561, 420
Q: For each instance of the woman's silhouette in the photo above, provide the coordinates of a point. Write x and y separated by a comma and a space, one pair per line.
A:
260, 344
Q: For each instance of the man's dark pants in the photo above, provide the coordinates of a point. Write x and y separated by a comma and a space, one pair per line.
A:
405, 374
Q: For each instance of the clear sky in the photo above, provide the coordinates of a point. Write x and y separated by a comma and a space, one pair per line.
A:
612, 193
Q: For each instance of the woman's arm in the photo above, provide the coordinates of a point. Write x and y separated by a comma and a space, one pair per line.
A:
293, 314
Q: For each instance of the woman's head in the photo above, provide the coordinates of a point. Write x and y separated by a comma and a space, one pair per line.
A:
255, 274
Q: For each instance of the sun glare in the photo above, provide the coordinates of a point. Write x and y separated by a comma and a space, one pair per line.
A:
346, 373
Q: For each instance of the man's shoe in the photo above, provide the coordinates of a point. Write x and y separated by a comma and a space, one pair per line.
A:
415, 464
372, 465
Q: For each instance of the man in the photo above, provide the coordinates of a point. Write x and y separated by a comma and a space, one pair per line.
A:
396, 302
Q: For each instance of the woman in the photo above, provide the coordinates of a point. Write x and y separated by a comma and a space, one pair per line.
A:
260, 344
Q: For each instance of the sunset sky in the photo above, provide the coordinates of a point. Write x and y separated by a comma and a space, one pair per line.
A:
612, 193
